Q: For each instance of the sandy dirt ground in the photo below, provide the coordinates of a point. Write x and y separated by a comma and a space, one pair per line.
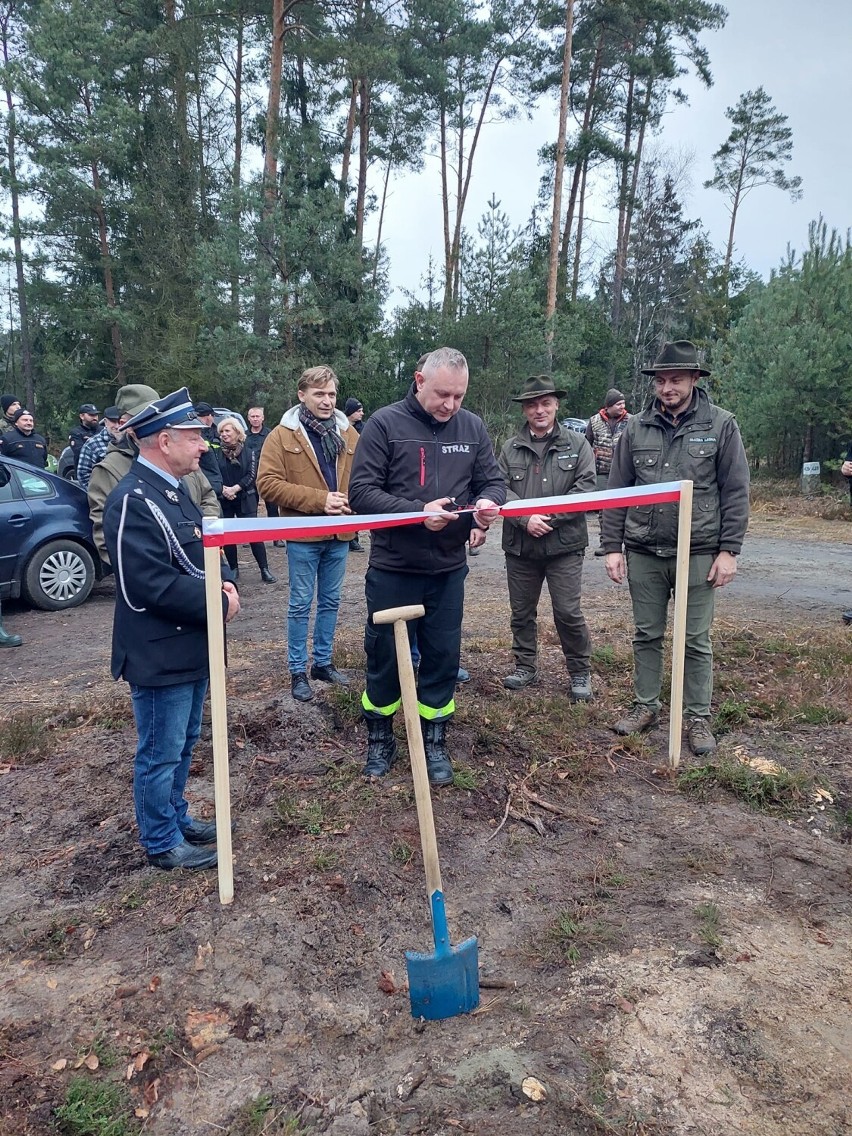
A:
657, 961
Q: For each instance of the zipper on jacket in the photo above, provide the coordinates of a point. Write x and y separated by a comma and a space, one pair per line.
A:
422, 465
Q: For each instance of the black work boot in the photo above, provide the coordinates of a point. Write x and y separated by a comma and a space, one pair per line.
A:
381, 747
438, 764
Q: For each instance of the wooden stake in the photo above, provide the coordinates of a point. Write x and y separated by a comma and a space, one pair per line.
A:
219, 712
684, 535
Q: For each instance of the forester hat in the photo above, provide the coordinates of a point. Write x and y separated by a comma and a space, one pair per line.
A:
173, 412
678, 356
135, 397
612, 397
537, 387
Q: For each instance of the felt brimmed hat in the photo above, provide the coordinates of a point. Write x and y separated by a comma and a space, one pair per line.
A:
173, 412
678, 356
537, 387
135, 397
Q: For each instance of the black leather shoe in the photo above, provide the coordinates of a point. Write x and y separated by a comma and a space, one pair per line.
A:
300, 688
329, 674
267, 576
185, 855
200, 832
203, 831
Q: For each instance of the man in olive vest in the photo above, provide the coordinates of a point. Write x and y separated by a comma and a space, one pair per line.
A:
679, 436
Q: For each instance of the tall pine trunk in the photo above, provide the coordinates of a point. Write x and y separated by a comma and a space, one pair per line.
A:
11, 138
559, 173
266, 235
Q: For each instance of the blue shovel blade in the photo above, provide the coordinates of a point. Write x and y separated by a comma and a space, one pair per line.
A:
441, 986
446, 982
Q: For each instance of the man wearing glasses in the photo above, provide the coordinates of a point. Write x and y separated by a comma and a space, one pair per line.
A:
679, 436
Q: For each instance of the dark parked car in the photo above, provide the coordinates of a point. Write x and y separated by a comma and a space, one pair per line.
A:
578, 424
46, 550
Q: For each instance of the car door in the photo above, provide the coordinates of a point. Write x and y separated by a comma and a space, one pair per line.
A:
16, 525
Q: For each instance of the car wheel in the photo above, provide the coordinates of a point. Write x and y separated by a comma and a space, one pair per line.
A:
59, 575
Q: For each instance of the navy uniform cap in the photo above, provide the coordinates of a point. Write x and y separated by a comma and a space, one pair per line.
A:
173, 412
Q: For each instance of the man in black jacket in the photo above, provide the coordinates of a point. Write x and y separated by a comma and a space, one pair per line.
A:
423, 454
159, 639
209, 464
23, 443
88, 427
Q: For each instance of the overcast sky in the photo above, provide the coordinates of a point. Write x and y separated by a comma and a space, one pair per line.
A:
802, 56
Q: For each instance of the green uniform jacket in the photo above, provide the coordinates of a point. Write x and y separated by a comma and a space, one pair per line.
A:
705, 448
568, 466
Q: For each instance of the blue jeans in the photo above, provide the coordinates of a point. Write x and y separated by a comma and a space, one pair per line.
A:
168, 724
314, 566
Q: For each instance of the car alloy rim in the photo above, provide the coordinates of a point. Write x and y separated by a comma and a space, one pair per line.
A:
62, 576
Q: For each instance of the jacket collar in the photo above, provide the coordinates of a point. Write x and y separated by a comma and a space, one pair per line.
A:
290, 420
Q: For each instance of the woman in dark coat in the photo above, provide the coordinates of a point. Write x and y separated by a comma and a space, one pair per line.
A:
238, 466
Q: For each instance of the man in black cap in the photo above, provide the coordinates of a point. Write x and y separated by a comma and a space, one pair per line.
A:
210, 460
423, 454
95, 448
23, 443
159, 640
602, 433
9, 404
679, 436
86, 429
545, 459
354, 411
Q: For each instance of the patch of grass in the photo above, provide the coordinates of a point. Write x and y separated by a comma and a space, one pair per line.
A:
262, 1117
608, 877
817, 715
709, 922
574, 930
776, 793
94, 1108
344, 702
304, 815
466, 778
401, 851
24, 739
563, 933
326, 860
731, 713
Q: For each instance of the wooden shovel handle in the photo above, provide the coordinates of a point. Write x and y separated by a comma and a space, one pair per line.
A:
398, 616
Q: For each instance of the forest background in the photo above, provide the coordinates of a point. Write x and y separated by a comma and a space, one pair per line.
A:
194, 195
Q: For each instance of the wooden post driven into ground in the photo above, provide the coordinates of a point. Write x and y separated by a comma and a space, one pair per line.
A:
684, 536
219, 710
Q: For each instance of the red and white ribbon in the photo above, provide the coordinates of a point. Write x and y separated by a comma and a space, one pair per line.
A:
218, 532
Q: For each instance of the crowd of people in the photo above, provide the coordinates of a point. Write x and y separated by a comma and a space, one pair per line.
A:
165, 464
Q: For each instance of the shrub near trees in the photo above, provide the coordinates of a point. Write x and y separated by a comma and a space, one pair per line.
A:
189, 191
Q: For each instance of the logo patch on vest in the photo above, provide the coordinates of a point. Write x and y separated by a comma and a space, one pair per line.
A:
710, 439
456, 448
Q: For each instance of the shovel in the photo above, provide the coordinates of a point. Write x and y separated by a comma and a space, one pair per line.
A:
446, 982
